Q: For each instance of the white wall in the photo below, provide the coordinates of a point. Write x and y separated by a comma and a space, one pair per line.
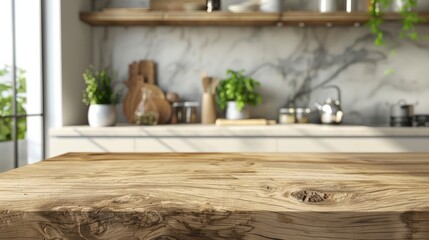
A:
76, 56
67, 54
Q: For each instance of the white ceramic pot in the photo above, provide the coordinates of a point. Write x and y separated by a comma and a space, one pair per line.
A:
102, 115
233, 113
270, 6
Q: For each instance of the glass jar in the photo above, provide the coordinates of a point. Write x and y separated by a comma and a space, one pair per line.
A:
287, 116
178, 112
146, 112
302, 115
186, 112
190, 109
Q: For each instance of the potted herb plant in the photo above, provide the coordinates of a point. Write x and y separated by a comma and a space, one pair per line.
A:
236, 93
100, 98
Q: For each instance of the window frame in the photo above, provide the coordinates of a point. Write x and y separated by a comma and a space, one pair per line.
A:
15, 116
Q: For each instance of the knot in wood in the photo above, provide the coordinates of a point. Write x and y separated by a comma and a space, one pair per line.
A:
311, 196
92, 230
267, 188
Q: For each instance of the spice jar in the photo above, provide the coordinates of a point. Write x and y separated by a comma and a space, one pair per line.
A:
287, 116
186, 112
178, 111
190, 111
302, 115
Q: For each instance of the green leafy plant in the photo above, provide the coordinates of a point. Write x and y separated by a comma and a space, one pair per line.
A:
99, 88
6, 101
410, 19
239, 88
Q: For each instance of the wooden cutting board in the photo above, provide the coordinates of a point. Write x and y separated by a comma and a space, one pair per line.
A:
148, 71
141, 74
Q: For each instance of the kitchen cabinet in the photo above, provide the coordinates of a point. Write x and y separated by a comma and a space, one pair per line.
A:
179, 18
90, 144
191, 144
409, 144
378, 144
200, 138
318, 145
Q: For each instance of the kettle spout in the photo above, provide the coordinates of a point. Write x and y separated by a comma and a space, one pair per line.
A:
318, 106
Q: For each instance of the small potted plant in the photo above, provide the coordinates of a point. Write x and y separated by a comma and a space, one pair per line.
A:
236, 93
100, 98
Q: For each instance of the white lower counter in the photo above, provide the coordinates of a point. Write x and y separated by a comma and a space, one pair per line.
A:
200, 138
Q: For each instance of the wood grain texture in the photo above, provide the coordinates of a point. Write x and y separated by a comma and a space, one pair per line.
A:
218, 196
180, 18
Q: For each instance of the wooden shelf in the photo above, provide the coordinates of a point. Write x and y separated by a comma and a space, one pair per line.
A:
153, 18
179, 18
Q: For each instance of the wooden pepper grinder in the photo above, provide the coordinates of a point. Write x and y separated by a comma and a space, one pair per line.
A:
208, 109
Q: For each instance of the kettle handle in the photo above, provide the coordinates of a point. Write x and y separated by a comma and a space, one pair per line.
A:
318, 106
336, 88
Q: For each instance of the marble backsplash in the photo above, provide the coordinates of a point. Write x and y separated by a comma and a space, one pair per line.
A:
293, 64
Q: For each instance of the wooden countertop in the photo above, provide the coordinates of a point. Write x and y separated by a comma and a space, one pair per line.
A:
218, 196
198, 130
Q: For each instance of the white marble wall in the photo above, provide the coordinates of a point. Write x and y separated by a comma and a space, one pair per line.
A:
291, 63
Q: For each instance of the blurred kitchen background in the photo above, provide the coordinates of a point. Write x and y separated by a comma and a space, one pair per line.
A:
292, 63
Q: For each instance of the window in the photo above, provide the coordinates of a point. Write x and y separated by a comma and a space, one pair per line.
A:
21, 84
